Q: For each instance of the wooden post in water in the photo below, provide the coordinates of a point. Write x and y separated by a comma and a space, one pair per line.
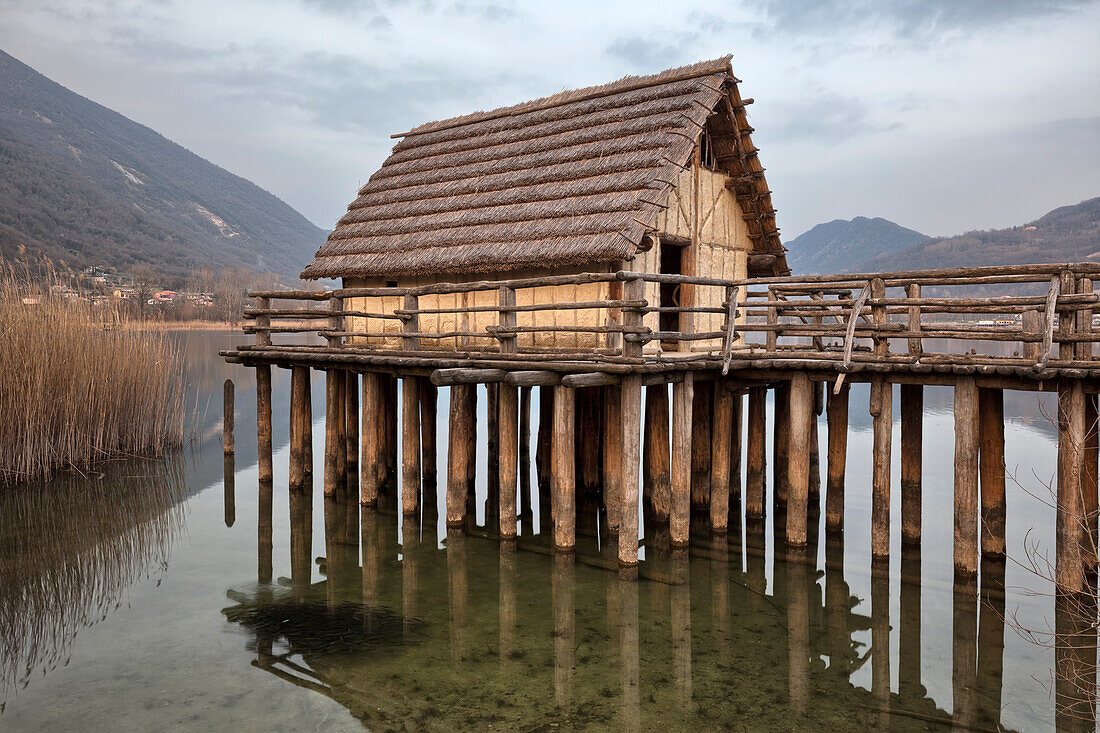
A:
801, 413
882, 410
543, 439
656, 470
508, 424
755, 470
612, 455
334, 437
457, 453
701, 431
410, 444
837, 417
966, 477
389, 426
735, 499
264, 467
683, 397
429, 401
372, 466
301, 428
721, 439
351, 418
1070, 527
912, 422
781, 436
991, 427
227, 417
631, 401
563, 476
524, 505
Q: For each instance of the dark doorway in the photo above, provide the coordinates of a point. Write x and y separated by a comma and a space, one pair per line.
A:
671, 261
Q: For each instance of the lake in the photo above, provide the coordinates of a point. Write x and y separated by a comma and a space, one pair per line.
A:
150, 594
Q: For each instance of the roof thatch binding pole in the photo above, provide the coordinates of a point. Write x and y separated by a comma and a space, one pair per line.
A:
656, 80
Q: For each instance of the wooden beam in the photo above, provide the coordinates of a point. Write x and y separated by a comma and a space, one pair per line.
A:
533, 379
590, 379
447, 377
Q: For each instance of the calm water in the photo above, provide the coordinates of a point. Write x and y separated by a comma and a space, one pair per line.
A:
151, 595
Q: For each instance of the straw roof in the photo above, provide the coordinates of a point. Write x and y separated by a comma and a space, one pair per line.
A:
573, 179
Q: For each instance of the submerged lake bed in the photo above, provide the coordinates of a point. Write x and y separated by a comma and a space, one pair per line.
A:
153, 594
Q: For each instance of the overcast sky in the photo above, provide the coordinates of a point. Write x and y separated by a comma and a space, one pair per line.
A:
942, 115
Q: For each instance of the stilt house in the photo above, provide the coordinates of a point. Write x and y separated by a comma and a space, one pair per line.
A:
656, 174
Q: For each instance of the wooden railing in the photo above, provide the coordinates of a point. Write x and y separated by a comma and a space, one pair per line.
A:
916, 318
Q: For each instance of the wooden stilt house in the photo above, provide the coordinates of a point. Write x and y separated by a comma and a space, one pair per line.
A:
654, 174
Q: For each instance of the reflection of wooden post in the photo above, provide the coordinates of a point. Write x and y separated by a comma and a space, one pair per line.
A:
371, 555
562, 584
457, 591
964, 652
800, 414
721, 438
798, 629
683, 397
1075, 661
265, 469
656, 476
837, 417
991, 642
508, 424
1071, 522
457, 455
372, 467
229, 496
631, 401
680, 592
410, 444
351, 418
562, 478
227, 417
301, 428
882, 409
912, 438
966, 476
612, 455
781, 435
410, 551
629, 657
755, 471
264, 531
909, 629
701, 431
507, 601
880, 641
837, 604
301, 542
991, 427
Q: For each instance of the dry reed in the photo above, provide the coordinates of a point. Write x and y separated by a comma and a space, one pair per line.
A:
79, 387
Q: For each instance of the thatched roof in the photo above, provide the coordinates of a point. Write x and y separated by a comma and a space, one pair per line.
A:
576, 178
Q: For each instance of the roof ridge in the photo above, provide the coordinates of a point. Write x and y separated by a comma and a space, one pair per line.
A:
569, 96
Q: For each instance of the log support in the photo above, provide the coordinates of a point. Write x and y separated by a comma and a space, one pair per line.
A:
508, 424
264, 466
631, 401
720, 446
563, 472
372, 468
1071, 536
882, 410
301, 429
837, 417
781, 435
756, 440
966, 478
612, 455
991, 427
461, 423
410, 444
800, 414
912, 422
656, 469
683, 397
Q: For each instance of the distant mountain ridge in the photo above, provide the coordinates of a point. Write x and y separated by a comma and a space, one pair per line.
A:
844, 245
1066, 234
84, 184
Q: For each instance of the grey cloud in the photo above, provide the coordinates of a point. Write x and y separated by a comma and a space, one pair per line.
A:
647, 55
826, 118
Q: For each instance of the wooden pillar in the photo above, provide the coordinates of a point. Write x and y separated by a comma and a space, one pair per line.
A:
341, 430
912, 422
543, 440
755, 470
410, 444
800, 414
524, 504
457, 454
1071, 533
656, 471
429, 404
721, 439
781, 434
966, 477
991, 427
334, 437
735, 499
227, 417
701, 431
351, 418
389, 424
372, 465
882, 410
471, 457
631, 405
588, 412
837, 417
264, 466
508, 424
612, 455
301, 427
683, 397
563, 476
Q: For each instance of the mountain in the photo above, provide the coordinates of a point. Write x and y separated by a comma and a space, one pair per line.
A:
1066, 234
842, 245
83, 184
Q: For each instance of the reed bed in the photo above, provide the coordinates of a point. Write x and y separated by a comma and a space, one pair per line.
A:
78, 385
